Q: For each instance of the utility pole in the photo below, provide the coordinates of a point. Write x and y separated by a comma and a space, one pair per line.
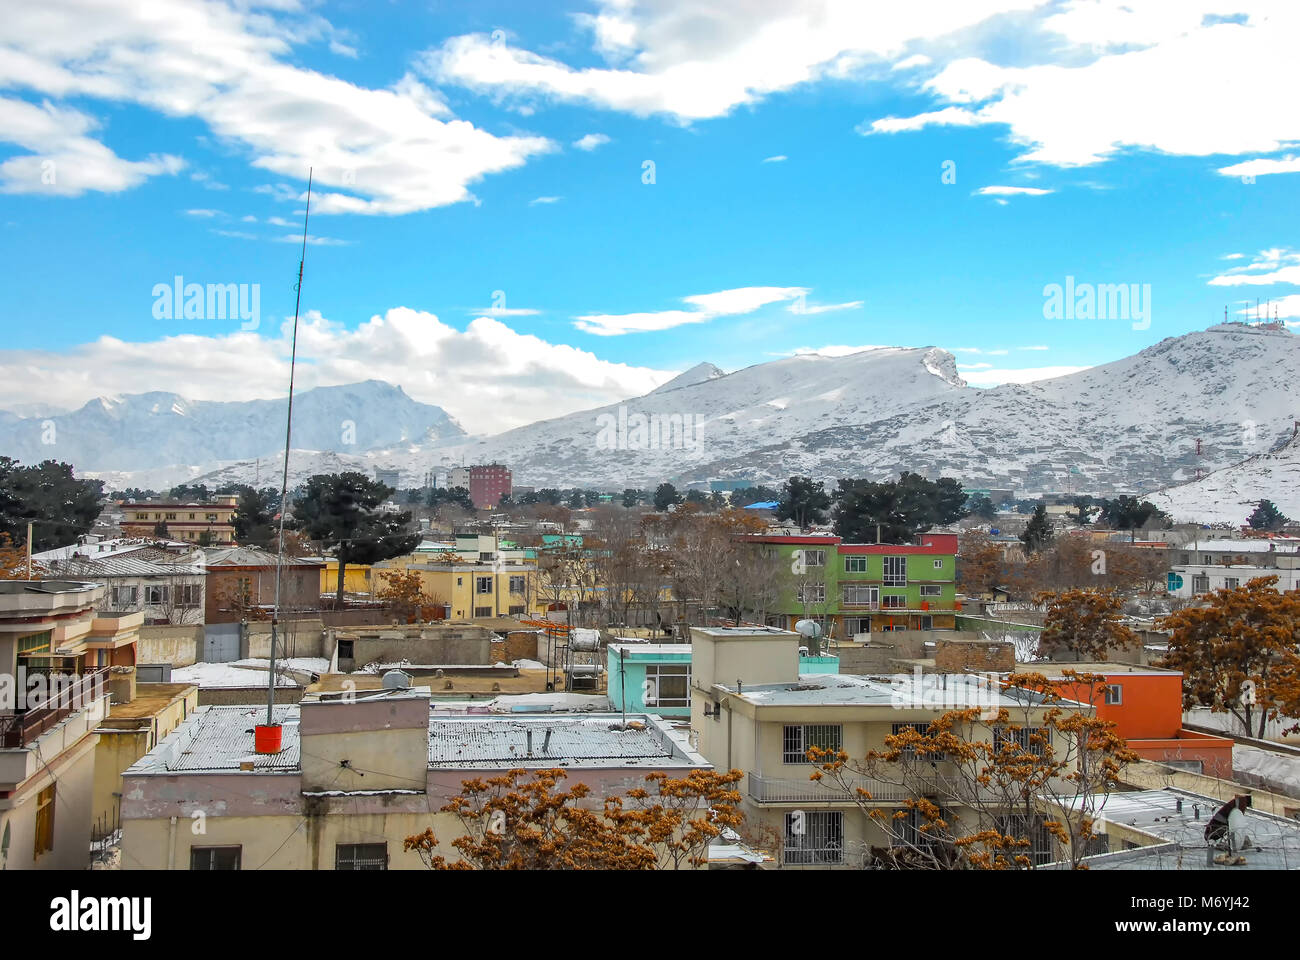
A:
29, 549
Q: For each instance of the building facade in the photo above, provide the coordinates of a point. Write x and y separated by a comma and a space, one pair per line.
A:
206, 524
488, 483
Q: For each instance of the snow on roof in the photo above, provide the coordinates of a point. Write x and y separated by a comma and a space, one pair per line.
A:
641, 649
900, 690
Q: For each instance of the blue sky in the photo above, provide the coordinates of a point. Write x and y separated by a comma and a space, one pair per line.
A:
825, 177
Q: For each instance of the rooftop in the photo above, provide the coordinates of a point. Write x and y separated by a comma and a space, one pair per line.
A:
633, 649
1105, 667
217, 739
250, 557
948, 691
1275, 841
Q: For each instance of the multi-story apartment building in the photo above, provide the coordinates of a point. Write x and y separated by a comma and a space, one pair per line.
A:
855, 588
165, 586
488, 483
1203, 566
208, 524
751, 710
472, 577
56, 652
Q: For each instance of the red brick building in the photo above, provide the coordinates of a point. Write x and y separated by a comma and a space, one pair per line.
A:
488, 484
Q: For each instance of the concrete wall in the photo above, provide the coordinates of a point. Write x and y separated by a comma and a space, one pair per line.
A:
294, 638
451, 645
178, 645
74, 770
253, 696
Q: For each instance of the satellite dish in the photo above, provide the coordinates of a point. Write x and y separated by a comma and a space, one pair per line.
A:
397, 680
808, 628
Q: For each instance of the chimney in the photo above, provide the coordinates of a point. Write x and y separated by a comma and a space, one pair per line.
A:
546, 744
530, 743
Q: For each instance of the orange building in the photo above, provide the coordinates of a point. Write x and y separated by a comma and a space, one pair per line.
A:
1146, 705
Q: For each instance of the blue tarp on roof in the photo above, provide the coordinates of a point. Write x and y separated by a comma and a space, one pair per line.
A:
765, 505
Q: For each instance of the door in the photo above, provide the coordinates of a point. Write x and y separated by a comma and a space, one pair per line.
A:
220, 642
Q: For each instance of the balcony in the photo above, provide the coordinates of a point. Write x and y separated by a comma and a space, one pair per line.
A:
22, 728
775, 790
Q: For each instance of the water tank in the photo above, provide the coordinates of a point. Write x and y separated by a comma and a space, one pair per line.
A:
396, 680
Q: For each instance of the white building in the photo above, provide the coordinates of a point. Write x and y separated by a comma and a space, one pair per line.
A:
1203, 566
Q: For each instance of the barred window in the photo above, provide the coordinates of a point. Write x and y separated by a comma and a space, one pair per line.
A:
361, 856
813, 837
923, 729
799, 738
1024, 737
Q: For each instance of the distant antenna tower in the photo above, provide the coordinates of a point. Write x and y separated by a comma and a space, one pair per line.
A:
1198, 458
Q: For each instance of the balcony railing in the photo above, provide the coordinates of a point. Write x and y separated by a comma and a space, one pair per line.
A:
25, 726
776, 790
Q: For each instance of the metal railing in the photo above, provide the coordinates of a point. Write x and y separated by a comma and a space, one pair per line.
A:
25, 726
780, 790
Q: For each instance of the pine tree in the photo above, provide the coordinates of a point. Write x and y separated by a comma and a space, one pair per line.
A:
1038, 532
804, 501
1267, 516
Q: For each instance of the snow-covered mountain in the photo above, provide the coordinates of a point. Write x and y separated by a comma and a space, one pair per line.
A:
173, 436
1230, 495
1130, 426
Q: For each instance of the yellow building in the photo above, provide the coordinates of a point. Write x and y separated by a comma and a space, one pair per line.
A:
751, 710
357, 578
212, 524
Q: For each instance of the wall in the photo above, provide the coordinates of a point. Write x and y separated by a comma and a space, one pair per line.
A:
450, 645
178, 645
253, 696
980, 656
294, 638
74, 770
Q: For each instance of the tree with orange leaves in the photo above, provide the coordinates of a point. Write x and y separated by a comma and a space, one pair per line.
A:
1003, 789
403, 595
1085, 624
13, 561
514, 824
1238, 653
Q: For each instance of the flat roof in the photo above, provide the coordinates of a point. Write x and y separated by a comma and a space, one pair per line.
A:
1056, 668
948, 691
731, 633
217, 739
1275, 841
634, 649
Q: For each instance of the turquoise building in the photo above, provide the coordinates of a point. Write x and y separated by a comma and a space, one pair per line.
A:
650, 678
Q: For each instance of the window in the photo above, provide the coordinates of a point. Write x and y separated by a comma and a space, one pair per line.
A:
44, 822
856, 625
895, 571
924, 730
1096, 845
797, 739
814, 837
1032, 829
1230, 583
189, 595
931, 590
892, 602
157, 594
517, 584
212, 518
518, 611
855, 564
124, 597
460, 582
482, 584
859, 594
1026, 738
361, 856
214, 858
171, 516
668, 685
1184, 558
482, 611
34, 643
1114, 693
192, 516
812, 593
814, 558
345, 650
1205, 558
938, 564
486, 557
906, 830
1200, 583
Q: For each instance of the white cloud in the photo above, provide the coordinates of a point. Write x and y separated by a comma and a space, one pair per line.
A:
1278, 265
779, 158
64, 160
691, 62
1035, 347
1124, 74
231, 67
591, 141
738, 301
999, 191
487, 376
800, 306
994, 376
1262, 167
203, 213
506, 312
543, 200
313, 240
1232, 256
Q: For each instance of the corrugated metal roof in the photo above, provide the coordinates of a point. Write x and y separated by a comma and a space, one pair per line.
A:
219, 739
251, 557
134, 564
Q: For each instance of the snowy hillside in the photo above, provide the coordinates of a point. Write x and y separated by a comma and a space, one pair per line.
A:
1230, 495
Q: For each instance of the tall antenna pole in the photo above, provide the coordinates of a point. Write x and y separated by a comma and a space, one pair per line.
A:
284, 480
